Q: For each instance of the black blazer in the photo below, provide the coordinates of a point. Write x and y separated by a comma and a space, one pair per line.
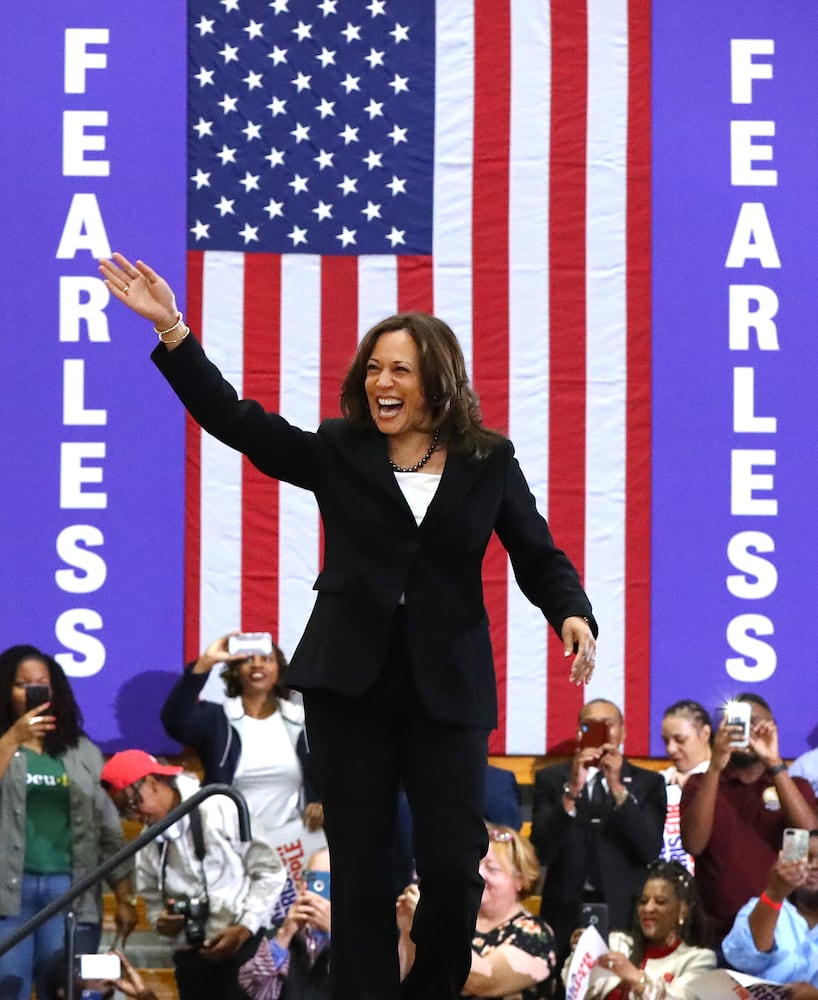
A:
374, 552
627, 839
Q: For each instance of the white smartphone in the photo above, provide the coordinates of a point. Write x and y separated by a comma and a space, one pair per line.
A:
738, 715
795, 845
250, 644
102, 966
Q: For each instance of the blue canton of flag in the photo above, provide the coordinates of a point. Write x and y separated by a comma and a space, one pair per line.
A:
311, 126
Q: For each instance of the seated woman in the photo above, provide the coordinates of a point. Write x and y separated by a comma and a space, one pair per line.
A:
774, 936
512, 951
665, 951
687, 733
254, 741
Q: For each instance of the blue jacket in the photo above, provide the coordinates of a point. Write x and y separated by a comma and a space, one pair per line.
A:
204, 726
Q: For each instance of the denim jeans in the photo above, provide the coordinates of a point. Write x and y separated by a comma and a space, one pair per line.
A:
27, 959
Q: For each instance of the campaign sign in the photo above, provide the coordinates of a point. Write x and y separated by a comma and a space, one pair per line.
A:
91, 494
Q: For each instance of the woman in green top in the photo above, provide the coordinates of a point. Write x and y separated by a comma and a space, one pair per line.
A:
56, 823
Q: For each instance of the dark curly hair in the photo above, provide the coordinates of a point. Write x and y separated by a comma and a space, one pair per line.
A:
232, 685
63, 704
692, 710
695, 929
454, 406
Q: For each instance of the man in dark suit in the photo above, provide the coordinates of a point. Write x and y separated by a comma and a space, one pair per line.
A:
597, 821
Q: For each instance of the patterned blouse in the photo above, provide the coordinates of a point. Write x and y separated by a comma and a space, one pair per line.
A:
534, 937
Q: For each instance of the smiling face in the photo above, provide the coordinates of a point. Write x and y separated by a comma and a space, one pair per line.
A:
687, 743
394, 390
258, 674
660, 912
28, 672
503, 883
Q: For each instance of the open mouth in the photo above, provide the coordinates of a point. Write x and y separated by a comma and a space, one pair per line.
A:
388, 406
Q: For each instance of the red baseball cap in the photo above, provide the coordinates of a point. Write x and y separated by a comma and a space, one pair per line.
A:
128, 766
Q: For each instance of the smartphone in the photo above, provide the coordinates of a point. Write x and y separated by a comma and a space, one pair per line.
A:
103, 966
593, 733
795, 845
594, 915
737, 715
36, 695
250, 644
317, 882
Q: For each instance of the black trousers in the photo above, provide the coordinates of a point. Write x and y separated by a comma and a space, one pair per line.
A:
363, 749
198, 978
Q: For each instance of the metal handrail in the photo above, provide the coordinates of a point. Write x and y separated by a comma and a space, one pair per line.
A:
146, 837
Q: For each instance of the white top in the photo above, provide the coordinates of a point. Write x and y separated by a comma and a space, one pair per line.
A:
419, 489
268, 773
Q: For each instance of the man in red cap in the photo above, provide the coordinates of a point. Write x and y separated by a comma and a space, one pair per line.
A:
204, 888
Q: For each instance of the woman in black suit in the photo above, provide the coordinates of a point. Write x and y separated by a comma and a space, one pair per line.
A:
395, 663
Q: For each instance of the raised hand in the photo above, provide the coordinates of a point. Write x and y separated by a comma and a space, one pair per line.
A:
141, 289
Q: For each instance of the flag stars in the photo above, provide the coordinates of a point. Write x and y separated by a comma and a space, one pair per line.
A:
325, 108
346, 236
279, 6
324, 159
201, 230
254, 29
326, 58
302, 31
328, 7
297, 235
249, 233
373, 159
400, 83
230, 53
249, 182
205, 77
299, 184
203, 128
374, 109
277, 106
275, 209
349, 185
323, 210
229, 5
375, 58
226, 154
276, 157
397, 134
349, 134
278, 55
301, 132
396, 236
253, 80
228, 104
377, 7
350, 83
201, 179
372, 211
224, 206
252, 131
301, 82
400, 33
397, 185
352, 32
205, 27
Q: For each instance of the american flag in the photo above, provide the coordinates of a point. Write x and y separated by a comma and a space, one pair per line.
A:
485, 160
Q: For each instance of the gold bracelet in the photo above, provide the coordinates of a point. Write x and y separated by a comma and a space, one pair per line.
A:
178, 340
170, 329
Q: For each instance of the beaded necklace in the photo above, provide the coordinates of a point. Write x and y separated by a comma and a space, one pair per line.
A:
423, 461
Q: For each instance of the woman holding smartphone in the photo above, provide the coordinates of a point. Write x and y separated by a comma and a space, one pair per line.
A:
56, 823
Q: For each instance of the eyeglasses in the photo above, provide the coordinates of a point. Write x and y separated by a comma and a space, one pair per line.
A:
500, 836
132, 804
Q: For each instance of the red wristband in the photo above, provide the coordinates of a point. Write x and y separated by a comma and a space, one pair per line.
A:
765, 899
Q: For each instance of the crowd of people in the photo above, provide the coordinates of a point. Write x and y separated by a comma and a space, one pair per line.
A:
371, 745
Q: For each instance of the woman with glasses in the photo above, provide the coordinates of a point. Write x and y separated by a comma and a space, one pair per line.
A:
56, 823
512, 951
665, 951
254, 740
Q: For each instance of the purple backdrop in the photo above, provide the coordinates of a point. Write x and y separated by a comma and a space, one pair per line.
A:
704, 171
94, 152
